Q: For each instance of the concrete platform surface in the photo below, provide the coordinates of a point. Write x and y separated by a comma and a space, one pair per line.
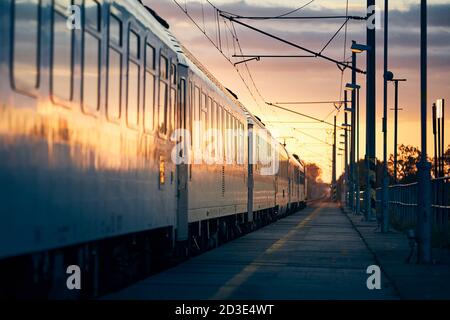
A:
412, 281
313, 254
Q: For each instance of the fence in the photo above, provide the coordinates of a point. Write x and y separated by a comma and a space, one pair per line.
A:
403, 207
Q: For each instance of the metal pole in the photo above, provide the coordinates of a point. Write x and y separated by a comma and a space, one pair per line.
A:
435, 141
370, 158
443, 138
395, 130
424, 190
385, 189
439, 148
353, 137
357, 156
334, 163
346, 152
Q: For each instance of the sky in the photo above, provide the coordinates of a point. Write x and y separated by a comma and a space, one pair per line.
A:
314, 79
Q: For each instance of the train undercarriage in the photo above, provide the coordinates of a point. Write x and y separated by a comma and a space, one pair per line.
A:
114, 263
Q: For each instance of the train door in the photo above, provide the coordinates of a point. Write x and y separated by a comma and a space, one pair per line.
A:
250, 180
182, 121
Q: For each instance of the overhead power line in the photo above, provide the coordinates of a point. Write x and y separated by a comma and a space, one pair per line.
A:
302, 114
300, 18
317, 54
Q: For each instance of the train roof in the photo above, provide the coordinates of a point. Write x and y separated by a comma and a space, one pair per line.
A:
160, 28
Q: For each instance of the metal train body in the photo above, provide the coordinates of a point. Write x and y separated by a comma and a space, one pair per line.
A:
86, 123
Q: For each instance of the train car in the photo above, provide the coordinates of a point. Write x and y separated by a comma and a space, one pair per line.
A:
86, 117
92, 115
217, 172
297, 183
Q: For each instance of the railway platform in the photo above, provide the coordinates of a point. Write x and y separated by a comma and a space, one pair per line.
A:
317, 253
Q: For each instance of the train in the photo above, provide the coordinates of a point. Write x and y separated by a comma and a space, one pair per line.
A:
119, 151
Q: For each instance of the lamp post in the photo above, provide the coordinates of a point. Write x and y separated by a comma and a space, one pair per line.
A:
356, 48
347, 173
345, 182
370, 118
370, 156
352, 87
396, 109
358, 203
334, 163
351, 184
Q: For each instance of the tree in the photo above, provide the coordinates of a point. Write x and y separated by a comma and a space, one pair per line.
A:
316, 187
407, 159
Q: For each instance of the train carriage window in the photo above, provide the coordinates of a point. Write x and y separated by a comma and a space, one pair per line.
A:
149, 88
133, 93
162, 107
25, 45
182, 116
173, 74
62, 63
229, 138
91, 56
209, 114
219, 132
163, 95
115, 30
242, 144
196, 119
150, 57
173, 95
239, 149
236, 140
203, 119
92, 14
191, 105
224, 133
134, 74
114, 84
214, 125
163, 68
204, 112
134, 45
114, 68
91, 72
173, 102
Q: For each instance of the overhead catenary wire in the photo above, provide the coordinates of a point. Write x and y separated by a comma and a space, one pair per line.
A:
302, 114
220, 50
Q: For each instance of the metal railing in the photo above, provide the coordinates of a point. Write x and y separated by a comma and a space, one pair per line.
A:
403, 206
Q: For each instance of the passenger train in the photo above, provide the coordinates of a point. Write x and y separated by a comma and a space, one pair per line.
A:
89, 115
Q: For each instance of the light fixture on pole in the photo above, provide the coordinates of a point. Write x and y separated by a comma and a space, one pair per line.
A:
352, 87
359, 48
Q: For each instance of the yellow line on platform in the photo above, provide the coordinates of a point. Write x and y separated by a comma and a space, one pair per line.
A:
231, 285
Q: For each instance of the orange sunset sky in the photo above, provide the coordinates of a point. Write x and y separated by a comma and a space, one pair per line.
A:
313, 79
